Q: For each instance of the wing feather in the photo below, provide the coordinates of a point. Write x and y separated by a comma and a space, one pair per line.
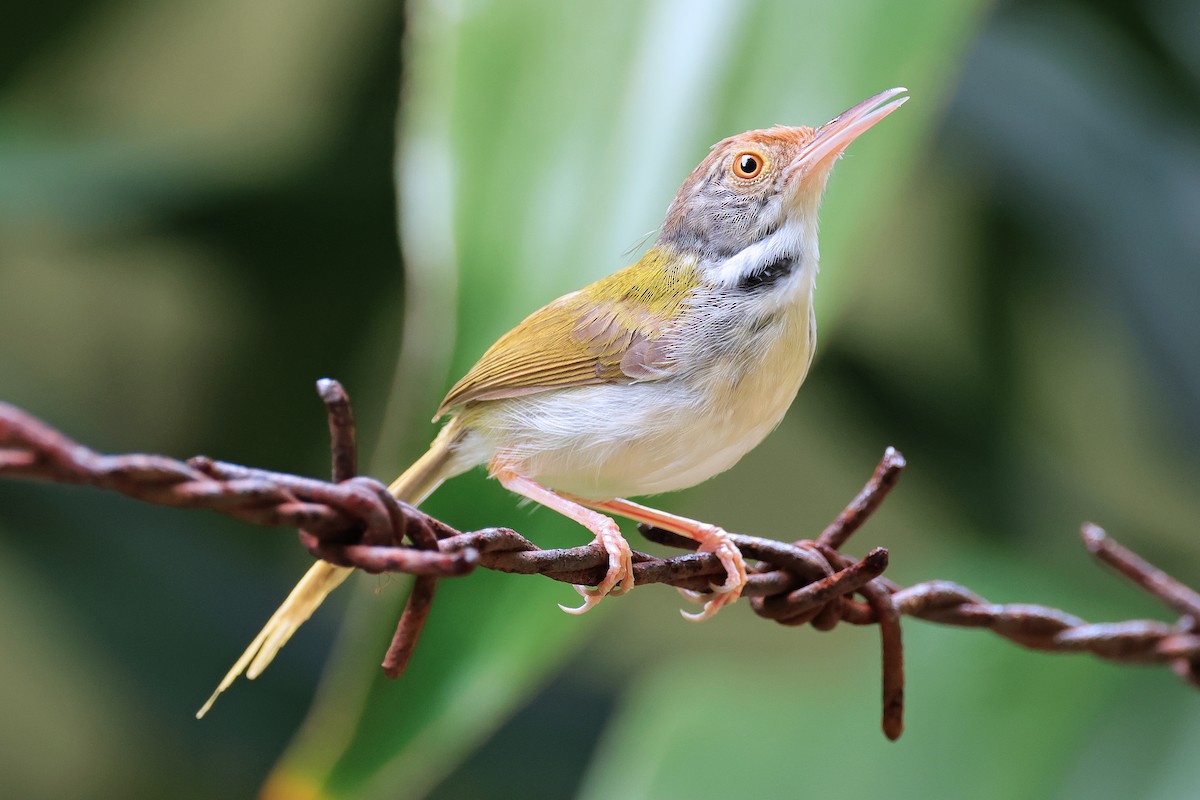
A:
608, 332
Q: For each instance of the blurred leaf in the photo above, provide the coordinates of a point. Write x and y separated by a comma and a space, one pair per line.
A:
785, 725
194, 224
202, 84
144, 370
540, 141
38, 672
180, 186
1110, 165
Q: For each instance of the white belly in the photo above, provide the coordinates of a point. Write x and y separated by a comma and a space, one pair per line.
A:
623, 440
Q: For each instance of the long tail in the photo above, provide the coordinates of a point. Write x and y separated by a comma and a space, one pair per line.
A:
417, 483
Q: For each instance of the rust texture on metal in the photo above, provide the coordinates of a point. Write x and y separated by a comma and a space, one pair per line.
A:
354, 522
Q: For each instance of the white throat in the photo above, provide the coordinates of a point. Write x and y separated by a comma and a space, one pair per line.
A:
795, 239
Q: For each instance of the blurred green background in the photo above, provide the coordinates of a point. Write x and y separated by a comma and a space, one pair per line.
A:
198, 218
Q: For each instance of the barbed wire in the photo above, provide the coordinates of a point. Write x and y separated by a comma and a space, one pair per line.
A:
354, 522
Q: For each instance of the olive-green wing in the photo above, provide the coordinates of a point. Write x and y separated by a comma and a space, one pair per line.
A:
608, 332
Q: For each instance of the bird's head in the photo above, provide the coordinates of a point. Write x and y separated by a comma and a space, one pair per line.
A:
754, 199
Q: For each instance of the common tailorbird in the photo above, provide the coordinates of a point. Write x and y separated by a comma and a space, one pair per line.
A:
650, 380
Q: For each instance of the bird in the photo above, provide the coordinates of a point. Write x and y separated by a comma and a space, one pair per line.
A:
650, 380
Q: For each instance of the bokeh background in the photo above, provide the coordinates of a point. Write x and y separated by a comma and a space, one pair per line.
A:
199, 207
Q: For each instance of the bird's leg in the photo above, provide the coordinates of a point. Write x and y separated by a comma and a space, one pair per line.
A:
619, 578
711, 538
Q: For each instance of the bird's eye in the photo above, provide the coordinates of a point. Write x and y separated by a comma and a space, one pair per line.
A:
747, 166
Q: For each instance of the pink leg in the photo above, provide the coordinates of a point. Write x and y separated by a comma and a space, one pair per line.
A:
619, 578
711, 538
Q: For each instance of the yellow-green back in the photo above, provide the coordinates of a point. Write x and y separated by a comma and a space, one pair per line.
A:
603, 333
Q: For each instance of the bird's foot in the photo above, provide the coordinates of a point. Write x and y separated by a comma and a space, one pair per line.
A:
714, 540
618, 579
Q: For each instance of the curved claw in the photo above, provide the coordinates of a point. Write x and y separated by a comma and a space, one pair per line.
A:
712, 606
617, 580
587, 606
715, 540
692, 596
590, 598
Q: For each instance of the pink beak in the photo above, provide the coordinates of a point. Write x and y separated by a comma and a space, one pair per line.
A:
836, 135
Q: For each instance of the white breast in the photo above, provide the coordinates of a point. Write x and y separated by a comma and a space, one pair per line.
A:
739, 376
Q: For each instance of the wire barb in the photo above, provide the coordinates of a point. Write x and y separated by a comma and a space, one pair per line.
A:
354, 522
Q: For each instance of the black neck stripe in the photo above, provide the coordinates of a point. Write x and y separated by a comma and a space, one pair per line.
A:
768, 275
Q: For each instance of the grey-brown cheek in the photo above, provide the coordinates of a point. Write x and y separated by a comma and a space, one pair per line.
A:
771, 215
728, 226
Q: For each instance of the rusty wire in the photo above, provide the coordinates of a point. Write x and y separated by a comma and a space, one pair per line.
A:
354, 522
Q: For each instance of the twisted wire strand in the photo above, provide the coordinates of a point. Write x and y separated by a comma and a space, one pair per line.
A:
353, 521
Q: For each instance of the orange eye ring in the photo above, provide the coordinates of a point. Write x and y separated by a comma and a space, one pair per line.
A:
747, 165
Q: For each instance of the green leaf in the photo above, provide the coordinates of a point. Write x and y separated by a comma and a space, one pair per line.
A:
804, 721
539, 142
